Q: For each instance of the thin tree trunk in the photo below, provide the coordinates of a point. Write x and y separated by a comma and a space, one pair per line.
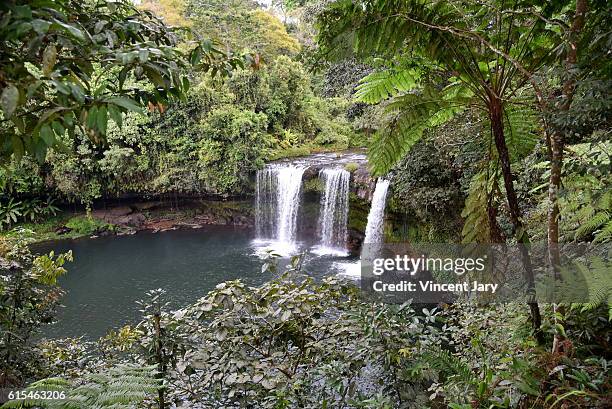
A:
557, 143
522, 239
159, 355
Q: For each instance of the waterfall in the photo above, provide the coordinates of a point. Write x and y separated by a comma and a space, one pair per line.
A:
334, 208
374, 234
277, 202
374, 229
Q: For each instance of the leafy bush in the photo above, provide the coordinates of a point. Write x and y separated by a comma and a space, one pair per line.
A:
294, 343
28, 298
87, 225
28, 210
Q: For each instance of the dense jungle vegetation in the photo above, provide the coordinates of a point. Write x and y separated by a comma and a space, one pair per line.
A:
491, 117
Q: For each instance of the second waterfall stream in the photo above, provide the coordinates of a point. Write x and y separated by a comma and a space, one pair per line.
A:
334, 209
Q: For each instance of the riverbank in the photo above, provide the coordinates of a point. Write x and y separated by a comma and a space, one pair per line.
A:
130, 218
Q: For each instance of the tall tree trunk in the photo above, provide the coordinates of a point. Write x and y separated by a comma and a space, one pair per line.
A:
522, 239
557, 142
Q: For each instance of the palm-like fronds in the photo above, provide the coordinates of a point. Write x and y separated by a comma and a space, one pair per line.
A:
378, 86
408, 116
598, 278
120, 387
381, 27
471, 42
604, 234
592, 215
521, 130
457, 371
599, 219
476, 227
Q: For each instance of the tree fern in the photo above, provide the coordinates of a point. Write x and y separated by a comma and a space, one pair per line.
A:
604, 235
583, 285
593, 215
119, 387
589, 226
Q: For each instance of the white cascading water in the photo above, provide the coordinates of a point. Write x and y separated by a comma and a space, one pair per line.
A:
374, 234
374, 229
334, 210
277, 203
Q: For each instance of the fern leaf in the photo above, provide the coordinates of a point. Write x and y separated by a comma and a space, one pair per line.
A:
590, 226
605, 234
458, 371
408, 116
476, 224
118, 387
521, 130
379, 86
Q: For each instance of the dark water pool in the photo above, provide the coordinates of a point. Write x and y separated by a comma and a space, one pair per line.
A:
110, 274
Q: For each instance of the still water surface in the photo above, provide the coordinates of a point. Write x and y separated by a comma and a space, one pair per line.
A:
110, 274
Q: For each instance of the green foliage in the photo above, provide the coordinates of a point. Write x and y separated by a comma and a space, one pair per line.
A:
424, 176
28, 210
286, 337
351, 167
210, 143
9, 213
81, 58
380, 85
585, 200
119, 387
521, 130
441, 38
235, 140
28, 298
407, 117
87, 225
598, 282
243, 26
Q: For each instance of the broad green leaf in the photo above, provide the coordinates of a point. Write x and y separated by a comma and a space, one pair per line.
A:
102, 119
74, 31
143, 55
126, 103
46, 134
41, 26
115, 115
92, 117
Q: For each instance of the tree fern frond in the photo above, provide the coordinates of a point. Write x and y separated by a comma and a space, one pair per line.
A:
408, 116
521, 130
120, 387
378, 86
605, 234
598, 278
476, 224
599, 219
458, 371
